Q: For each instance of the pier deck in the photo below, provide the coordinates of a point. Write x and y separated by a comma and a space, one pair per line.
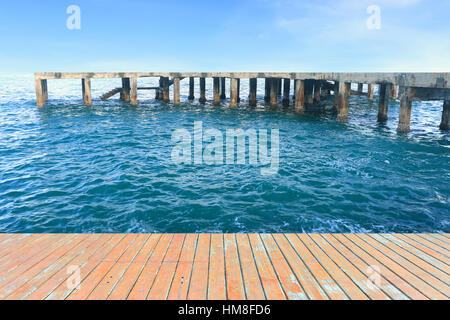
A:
225, 266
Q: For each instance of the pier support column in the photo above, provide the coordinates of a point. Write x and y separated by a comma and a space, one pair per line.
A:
383, 104
252, 94
267, 83
342, 107
323, 92
223, 88
394, 92
309, 86
316, 92
274, 93
191, 88
370, 89
445, 121
166, 90
336, 96
176, 91
238, 90
202, 98
86, 88
279, 87
125, 94
216, 87
360, 88
133, 89
234, 93
404, 116
286, 91
299, 96
41, 89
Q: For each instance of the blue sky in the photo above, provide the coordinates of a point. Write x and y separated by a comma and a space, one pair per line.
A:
241, 35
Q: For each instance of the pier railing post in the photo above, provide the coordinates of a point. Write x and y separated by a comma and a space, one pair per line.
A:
234, 93
41, 85
176, 91
202, 98
383, 103
343, 94
274, 93
125, 93
191, 88
133, 89
286, 91
445, 121
86, 89
370, 90
404, 116
252, 93
299, 96
267, 83
216, 87
223, 94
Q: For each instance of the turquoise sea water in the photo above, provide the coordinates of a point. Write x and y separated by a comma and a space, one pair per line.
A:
107, 168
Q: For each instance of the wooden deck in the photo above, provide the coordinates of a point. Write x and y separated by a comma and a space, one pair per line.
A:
225, 266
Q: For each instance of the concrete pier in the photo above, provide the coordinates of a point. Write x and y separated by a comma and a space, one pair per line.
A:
309, 88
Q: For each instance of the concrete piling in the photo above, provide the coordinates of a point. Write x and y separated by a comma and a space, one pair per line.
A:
191, 89
252, 92
404, 117
176, 91
133, 90
86, 89
202, 98
299, 96
286, 92
223, 95
445, 120
234, 93
383, 102
125, 93
216, 89
342, 106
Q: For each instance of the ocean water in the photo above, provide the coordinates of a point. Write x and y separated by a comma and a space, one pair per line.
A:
107, 168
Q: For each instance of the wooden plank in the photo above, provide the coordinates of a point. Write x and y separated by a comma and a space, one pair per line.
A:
423, 248
433, 276
291, 286
216, 279
198, 286
109, 281
414, 255
28, 257
436, 241
345, 282
62, 275
269, 279
105, 252
304, 276
161, 285
363, 263
442, 238
147, 277
398, 268
44, 274
358, 278
128, 279
327, 283
182, 276
252, 281
235, 285
428, 244
96, 275
17, 246
16, 279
